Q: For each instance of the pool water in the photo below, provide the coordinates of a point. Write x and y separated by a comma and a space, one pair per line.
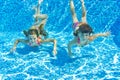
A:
100, 60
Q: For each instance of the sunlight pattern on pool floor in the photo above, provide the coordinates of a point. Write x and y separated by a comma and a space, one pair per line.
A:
100, 60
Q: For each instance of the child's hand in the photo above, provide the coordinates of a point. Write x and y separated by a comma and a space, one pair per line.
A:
54, 52
13, 49
107, 33
70, 54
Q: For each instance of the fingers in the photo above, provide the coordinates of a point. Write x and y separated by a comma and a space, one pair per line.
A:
107, 33
13, 49
54, 52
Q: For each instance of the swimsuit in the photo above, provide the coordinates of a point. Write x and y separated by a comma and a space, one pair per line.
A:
77, 30
34, 41
75, 27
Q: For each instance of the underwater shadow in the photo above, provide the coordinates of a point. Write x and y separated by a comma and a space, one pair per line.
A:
62, 57
115, 30
27, 49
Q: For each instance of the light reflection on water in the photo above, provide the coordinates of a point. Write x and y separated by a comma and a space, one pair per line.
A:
98, 60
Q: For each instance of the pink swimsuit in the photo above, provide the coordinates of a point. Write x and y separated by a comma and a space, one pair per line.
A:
75, 27
34, 42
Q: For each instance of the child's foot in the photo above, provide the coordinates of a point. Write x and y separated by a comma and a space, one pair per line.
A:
40, 1
82, 1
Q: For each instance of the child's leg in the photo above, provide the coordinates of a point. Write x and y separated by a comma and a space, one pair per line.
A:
39, 16
83, 12
74, 17
37, 11
38, 6
42, 16
42, 23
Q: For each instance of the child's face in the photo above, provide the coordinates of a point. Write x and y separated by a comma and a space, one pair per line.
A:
33, 37
32, 34
86, 35
83, 35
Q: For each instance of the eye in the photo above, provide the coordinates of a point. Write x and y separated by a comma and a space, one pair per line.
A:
30, 38
86, 34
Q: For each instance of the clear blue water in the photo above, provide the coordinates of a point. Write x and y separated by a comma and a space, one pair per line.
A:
100, 60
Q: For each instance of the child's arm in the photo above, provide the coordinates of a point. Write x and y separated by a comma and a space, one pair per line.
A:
16, 43
54, 42
91, 38
70, 45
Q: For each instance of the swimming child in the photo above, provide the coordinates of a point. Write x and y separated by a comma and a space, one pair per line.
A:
83, 33
36, 34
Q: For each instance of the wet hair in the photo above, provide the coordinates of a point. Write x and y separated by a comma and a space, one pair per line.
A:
25, 33
84, 28
33, 31
42, 31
